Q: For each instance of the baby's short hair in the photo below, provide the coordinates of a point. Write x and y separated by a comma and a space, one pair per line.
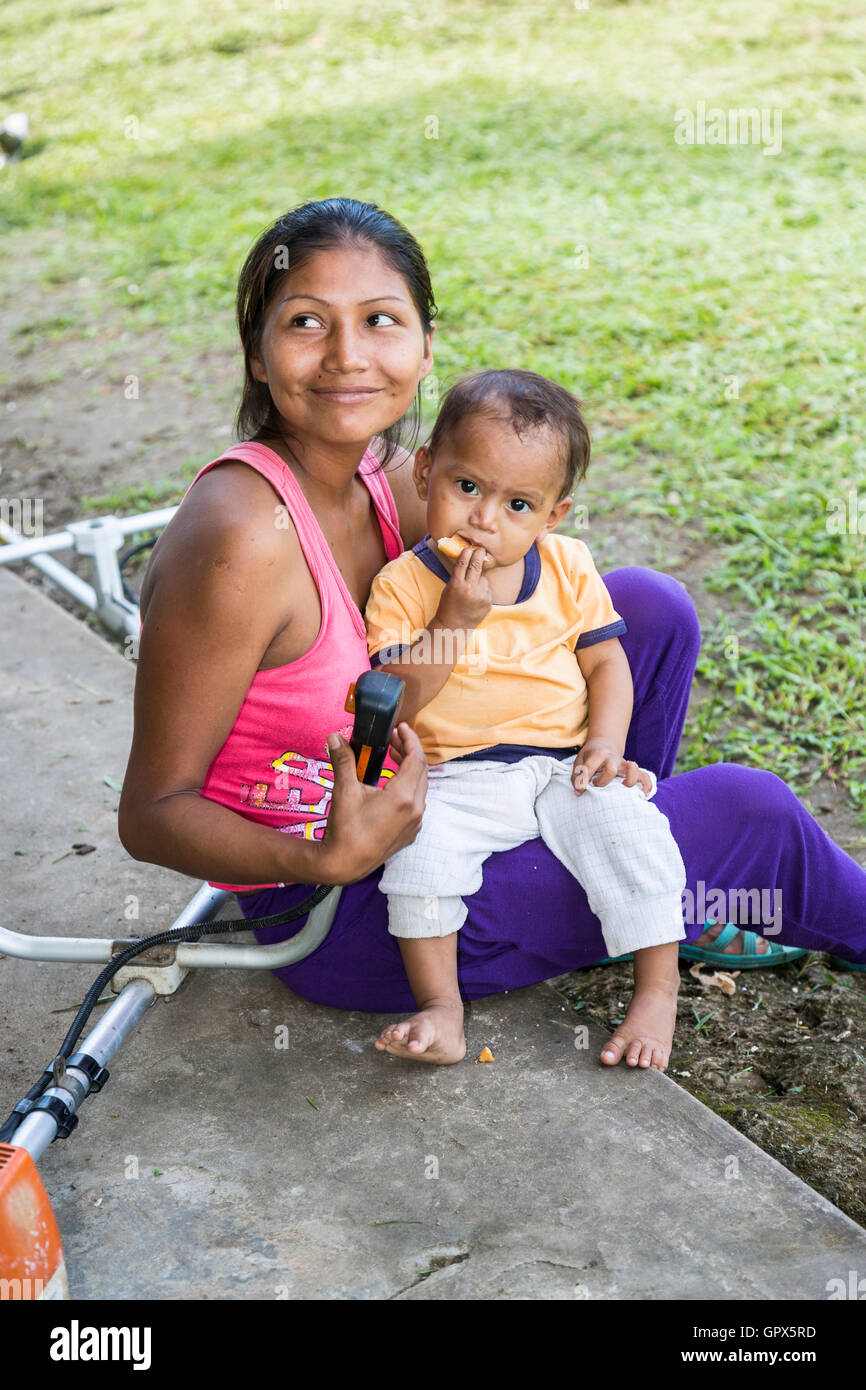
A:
528, 401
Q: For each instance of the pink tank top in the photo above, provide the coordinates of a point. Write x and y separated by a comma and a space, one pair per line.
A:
273, 768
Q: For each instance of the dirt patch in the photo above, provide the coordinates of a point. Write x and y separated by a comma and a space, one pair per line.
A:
782, 1060
94, 407
90, 407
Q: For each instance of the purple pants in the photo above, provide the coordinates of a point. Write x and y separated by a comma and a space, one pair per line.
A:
741, 831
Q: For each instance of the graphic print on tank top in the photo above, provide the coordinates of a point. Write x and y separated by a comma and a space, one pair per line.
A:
312, 801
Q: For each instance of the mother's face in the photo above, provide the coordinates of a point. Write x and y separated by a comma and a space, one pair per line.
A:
343, 348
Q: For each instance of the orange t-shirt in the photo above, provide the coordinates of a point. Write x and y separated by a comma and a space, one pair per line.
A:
516, 680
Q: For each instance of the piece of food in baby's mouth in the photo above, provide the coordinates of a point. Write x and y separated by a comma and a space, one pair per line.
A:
452, 546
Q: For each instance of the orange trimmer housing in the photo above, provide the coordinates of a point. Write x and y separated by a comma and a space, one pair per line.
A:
31, 1253
32, 1265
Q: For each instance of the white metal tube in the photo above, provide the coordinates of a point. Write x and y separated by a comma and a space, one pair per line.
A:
20, 549
36, 1131
203, 907
78, 588
27, 548
77, 949
145, 521
111, 1030
312, 934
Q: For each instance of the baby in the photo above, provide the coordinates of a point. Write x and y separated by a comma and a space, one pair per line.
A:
521, 694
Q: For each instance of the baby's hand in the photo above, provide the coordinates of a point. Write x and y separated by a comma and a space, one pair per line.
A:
467, 597
602, 758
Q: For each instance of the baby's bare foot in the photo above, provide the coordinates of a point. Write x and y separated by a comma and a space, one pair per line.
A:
646, 1033
433, 1035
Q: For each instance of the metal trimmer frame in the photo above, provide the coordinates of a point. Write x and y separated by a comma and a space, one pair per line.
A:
140, 982
99, 538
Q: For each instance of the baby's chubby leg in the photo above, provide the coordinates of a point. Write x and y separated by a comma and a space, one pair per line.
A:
646, 1034
621, 850
471, 811
435, 1033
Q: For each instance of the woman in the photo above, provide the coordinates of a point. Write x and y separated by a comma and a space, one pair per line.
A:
252, 630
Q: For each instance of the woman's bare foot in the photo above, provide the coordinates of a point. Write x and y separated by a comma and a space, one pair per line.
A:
435, 1034
646, 1033
734, 947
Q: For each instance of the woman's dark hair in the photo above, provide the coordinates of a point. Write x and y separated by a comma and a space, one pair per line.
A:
293, 238
528, 402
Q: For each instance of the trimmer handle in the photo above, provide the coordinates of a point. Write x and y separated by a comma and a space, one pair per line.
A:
374, 699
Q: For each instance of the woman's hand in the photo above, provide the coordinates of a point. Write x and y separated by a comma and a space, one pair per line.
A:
366, 825
599, 756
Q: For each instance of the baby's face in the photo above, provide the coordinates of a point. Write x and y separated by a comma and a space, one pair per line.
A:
492, 488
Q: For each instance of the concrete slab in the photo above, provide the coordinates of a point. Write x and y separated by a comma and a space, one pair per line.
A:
221, 1163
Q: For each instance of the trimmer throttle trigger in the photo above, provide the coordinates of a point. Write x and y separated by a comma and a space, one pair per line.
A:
376, 698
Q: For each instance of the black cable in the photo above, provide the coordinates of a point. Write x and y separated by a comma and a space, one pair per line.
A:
124, 560
376, 698
188, 933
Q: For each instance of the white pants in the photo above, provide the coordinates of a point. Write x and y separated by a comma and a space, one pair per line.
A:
616, 844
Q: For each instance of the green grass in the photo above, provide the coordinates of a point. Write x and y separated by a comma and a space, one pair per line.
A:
713, 322
144, 497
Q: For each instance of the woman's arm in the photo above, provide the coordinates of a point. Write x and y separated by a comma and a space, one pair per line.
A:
219, 593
